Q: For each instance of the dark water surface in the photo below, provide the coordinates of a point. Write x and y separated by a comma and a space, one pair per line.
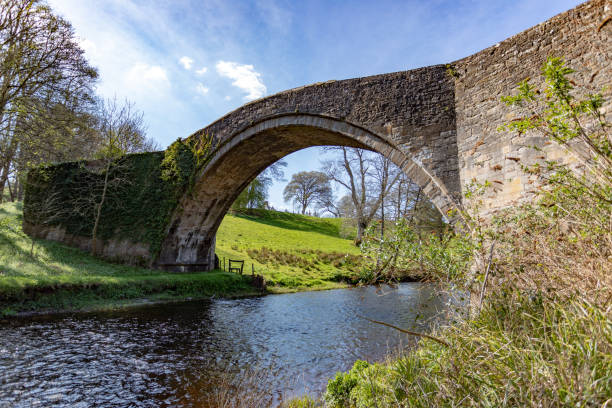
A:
181, 354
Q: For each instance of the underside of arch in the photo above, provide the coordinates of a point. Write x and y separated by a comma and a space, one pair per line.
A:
190, 242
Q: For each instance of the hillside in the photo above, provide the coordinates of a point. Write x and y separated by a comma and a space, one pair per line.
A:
291, 251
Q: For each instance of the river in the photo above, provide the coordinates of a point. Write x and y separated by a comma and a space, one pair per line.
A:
196, 353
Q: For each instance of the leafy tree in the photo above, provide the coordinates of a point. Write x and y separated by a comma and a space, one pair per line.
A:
307, 188
41, 67
255, 195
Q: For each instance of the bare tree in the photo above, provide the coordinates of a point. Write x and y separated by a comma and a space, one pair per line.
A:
307, 188
367, 176
121, 130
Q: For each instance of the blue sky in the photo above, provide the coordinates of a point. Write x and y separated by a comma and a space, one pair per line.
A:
185, 63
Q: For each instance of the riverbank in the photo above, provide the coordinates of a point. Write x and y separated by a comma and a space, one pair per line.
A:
537, 353
47, 277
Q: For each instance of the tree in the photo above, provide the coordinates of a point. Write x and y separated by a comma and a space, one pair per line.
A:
255, 195
121, 130
368, 177
346, 208
41, 65
307, 188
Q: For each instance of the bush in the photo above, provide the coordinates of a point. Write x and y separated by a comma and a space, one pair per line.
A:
339, 389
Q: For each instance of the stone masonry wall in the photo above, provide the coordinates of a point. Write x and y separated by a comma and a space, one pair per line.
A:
440, 126
414, 109
486, 154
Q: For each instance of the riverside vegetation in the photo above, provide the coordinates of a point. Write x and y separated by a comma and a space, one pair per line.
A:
300, 252
293, 252
541, 329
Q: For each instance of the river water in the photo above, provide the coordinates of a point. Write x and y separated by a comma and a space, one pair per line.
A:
202, 352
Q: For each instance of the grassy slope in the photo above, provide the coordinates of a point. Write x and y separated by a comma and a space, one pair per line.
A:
60, 277
301, 251
308, 254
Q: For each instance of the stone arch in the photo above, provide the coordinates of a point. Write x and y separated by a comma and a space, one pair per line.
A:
238, 159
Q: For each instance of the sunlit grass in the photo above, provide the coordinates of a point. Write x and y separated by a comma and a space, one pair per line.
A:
291, 251
51, 275
55, 276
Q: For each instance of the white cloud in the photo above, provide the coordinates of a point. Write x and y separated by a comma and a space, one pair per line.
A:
245, 77
228, 98
201, 71
201, 89
143, 75
148, 73
186, 62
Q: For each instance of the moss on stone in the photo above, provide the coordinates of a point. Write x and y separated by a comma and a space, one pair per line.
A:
144, 192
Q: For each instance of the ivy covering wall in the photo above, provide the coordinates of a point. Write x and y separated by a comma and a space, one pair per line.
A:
143, 193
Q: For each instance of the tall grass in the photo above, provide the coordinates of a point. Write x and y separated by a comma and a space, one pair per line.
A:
518, 352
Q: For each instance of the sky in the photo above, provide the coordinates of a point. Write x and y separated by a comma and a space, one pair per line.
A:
185, 63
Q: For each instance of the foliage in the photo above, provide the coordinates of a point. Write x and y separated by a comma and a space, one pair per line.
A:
406, 250
139, 210
255, 195
47, 85
178, 165
542, 246
575, 123
518, 352
303, 402
338, 393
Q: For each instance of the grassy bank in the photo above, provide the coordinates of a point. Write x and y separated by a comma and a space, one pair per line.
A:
518, 352
292, 251
57, 277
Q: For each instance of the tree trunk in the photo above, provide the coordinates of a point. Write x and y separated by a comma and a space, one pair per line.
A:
98, 211
19, 189
3, 180
11, 192
361, 226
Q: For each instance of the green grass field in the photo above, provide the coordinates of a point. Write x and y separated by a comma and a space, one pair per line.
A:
58, 277
292, 251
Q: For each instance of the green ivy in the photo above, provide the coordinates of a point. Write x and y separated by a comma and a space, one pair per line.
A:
140, 203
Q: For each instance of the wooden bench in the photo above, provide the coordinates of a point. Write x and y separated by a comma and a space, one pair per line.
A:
236, 265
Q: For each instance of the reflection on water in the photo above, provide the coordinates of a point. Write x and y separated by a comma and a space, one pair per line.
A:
177, 354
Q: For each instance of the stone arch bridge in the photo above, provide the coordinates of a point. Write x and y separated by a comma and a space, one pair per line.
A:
437, 123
